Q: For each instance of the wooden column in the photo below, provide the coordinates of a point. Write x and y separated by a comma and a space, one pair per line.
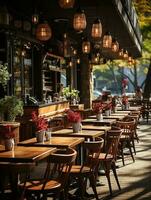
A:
86, 81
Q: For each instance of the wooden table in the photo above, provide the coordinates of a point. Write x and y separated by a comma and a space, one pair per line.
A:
24, 154
94, 128
132, 108
112, 116
107, 122
60, 142
87, 134
14, 162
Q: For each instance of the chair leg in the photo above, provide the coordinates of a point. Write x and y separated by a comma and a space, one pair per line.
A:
133, 144
115, 175
107, 174
122, 154
129, 146
93, 185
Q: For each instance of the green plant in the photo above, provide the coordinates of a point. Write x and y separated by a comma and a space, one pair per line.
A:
4, 75
73, 93
10, 107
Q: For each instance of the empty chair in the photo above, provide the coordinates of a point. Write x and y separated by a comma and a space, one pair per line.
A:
88, 170
55, 177
127, 137
136, 118
108, 158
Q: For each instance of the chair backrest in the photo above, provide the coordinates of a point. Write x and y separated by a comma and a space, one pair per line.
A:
59, 166
93, 149
128, 127
112, 141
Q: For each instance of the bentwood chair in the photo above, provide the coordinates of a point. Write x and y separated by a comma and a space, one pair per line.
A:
55, 177
127, 137
88, 170
9, 179
134, 117
108, 158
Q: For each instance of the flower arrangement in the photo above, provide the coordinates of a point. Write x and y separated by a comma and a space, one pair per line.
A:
107, 106
97, 107
124, 100
73, 116
40, 122
4, 75
7, 132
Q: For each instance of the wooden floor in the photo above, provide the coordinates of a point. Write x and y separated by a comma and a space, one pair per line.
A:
135, 178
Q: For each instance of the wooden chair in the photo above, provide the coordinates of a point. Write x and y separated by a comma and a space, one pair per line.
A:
127, 137
108, 158
146, 109
135, 117
55, 177
10, 178
89, 169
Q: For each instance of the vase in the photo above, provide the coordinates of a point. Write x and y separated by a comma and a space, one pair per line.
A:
40, 136
99, 116
9, 144
125, 106
107, 112
114, 109
48, 134
77, 126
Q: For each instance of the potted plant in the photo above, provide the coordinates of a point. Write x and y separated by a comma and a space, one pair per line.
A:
10, 107
40, 126
4, 75
75, 119
72, 95
97, 108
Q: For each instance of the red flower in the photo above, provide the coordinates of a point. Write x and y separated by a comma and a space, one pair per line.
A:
40, 122
7, 132
73, 116
107, 106
97, 107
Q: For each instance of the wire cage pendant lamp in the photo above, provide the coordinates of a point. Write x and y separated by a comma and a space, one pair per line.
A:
43, 31
86, 46
66, 3
79, 20
107, 40
115, 45
96, 32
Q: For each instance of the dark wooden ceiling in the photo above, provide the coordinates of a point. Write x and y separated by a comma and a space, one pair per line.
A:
61, 20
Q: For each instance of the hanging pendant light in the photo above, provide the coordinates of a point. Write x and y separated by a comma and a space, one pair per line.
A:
78, 60
43, 32
120, 53
66, 3
86, 46
107, 40
129, 58
96, 32
35, 18
115, 45
125, 54
79, 20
